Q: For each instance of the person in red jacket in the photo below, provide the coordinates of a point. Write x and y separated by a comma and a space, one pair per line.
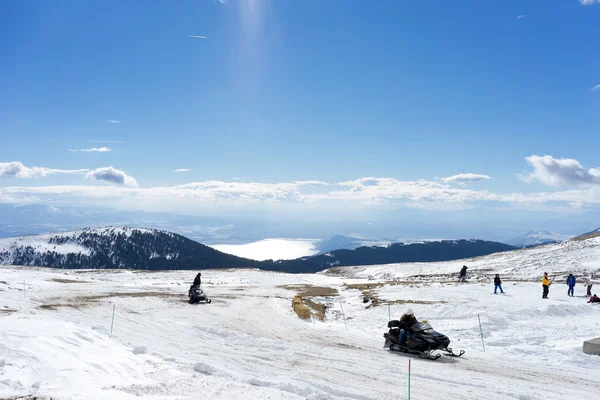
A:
594, 299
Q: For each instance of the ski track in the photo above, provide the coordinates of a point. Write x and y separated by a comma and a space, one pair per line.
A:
248, 344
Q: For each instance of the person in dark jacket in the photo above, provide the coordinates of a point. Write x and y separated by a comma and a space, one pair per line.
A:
406, 323
594, 299
571, 285
497, 284
197, 280
463, 274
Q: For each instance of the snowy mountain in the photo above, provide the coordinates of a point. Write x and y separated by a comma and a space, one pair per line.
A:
536, 238
442, 250
113, 247
136, 248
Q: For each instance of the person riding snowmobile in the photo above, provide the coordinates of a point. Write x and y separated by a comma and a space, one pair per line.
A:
463, 274
197, 280
406, 323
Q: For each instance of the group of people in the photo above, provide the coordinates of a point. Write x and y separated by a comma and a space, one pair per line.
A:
571, 281
497, 281
546, 282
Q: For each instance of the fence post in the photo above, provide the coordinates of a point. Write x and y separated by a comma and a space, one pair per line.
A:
343, 315
409, 379
481, 332
113, 319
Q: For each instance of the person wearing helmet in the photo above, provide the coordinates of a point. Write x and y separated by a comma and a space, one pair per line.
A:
406, 322
546, 282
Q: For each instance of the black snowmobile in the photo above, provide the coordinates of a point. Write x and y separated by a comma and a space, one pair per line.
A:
421, 340
196, 295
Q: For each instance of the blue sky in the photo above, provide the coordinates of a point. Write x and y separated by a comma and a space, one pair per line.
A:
269, 93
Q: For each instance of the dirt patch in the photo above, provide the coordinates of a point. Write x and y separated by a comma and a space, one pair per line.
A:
56, 306
60, 280
88, 301
311, 291
4, 283
7, 310
376, 301
304, 293
318, 309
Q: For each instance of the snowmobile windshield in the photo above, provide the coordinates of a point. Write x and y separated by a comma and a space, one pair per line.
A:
424, 327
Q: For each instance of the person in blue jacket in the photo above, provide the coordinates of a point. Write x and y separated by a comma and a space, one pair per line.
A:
571, 285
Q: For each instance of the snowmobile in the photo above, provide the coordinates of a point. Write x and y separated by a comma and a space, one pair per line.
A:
196, 295
422, 340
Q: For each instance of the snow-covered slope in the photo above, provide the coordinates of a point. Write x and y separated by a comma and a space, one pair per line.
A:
55, 339
560, 259
535, 238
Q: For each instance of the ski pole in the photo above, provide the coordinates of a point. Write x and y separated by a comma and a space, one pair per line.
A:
481, 331
389, 313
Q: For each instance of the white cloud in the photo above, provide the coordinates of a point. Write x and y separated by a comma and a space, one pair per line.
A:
521, 16
16, 169
589, 2
195, 36
182, 170
564, 172
466, 178
94, 150
112, 175
114, 121
596, 88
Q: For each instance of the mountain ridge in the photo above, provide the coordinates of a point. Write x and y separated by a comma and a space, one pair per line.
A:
153, 249
537, 237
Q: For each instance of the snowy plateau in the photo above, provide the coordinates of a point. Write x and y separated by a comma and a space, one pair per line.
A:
56, 341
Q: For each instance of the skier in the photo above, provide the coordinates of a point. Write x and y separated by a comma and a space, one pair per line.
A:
463, 274
406, 323
571, 285
594, 299
546, 282
588, 285
497, 284
197, 280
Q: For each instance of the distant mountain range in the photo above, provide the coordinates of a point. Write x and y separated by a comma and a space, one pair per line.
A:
134, 248
348, 242
536, 238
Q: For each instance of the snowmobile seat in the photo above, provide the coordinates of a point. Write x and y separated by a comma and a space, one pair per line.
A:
394, 326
